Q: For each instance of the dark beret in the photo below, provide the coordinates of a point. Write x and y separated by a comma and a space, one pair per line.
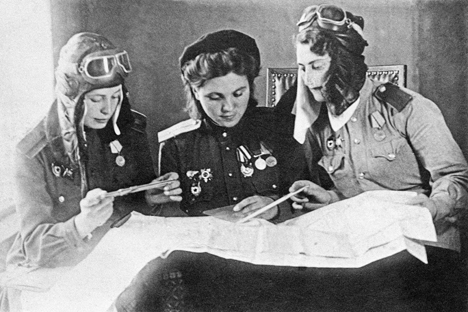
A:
219, 41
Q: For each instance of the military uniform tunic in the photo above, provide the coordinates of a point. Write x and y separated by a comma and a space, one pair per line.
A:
209, 162
395, 140
49, 190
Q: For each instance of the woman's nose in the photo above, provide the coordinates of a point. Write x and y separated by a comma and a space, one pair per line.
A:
228, 105
106, 106
311, 78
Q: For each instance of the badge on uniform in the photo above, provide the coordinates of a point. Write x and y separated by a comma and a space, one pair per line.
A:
260, 163
379, 135
264, 157
247, 170
60, 171
270, 159
206, 175
244, 156
195, 189
331, 143
116, 148
195, 177
338, 142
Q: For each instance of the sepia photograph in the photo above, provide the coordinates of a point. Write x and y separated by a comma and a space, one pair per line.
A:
233, 155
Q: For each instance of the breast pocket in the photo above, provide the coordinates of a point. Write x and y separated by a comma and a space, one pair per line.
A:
335, 165
266, 181
391, 162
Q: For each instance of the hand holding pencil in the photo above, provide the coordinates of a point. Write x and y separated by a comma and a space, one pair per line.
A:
167, 190
273, 204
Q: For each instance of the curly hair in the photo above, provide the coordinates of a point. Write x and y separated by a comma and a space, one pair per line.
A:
206, 66
348, 69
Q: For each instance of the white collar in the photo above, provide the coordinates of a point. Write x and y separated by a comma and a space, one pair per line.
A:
337, 122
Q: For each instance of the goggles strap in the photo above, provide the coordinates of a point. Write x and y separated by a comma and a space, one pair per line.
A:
357, 28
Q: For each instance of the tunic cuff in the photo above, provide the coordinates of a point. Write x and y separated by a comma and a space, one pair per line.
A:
443, 205
72, 236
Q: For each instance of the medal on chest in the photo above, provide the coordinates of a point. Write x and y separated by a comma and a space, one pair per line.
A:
116, 148
270, 160
377, 123
196, 177
60, 171
331, 143
195, 189
244, 157
334, 142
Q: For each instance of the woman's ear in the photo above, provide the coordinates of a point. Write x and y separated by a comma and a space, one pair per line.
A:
195, 93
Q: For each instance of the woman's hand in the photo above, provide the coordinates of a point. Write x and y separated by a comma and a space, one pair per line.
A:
252, 203
422, 200
170, 192
96, 209
313, 197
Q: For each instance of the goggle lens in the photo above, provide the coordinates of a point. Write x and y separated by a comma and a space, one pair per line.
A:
331, 14
124, 61
100, 67
104, 66
327, 16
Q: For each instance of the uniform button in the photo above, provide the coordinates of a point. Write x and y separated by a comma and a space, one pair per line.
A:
361, 175
330, 169
274, 186
234, 198
61, 199
230, 174
357, 141
391, 156
353, 119
228, 148
224, 134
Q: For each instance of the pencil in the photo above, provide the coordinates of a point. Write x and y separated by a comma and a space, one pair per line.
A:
269, 206
138, 188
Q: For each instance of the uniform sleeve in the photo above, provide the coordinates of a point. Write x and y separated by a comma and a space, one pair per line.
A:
170, 162
45, 241
439, 154
314, 172
145, 175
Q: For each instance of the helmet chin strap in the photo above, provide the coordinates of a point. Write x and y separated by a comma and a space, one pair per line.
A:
117, 112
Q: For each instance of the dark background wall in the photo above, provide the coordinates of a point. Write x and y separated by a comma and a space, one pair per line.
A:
429, 36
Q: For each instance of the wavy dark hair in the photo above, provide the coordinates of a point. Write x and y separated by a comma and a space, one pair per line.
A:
348, 69
206, 66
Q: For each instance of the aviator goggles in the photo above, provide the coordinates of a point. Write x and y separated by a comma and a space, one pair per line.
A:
101, 65
327, 16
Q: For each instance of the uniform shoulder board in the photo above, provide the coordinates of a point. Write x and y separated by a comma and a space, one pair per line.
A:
179, 128
34, 141
393, 95
139, 124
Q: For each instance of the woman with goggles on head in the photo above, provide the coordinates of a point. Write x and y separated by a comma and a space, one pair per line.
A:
364, 135
90, 143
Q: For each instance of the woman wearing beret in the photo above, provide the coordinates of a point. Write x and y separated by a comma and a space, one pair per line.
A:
90, 143
225, 158
364, 135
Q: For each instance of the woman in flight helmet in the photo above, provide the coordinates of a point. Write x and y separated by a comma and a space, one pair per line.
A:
90, 143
